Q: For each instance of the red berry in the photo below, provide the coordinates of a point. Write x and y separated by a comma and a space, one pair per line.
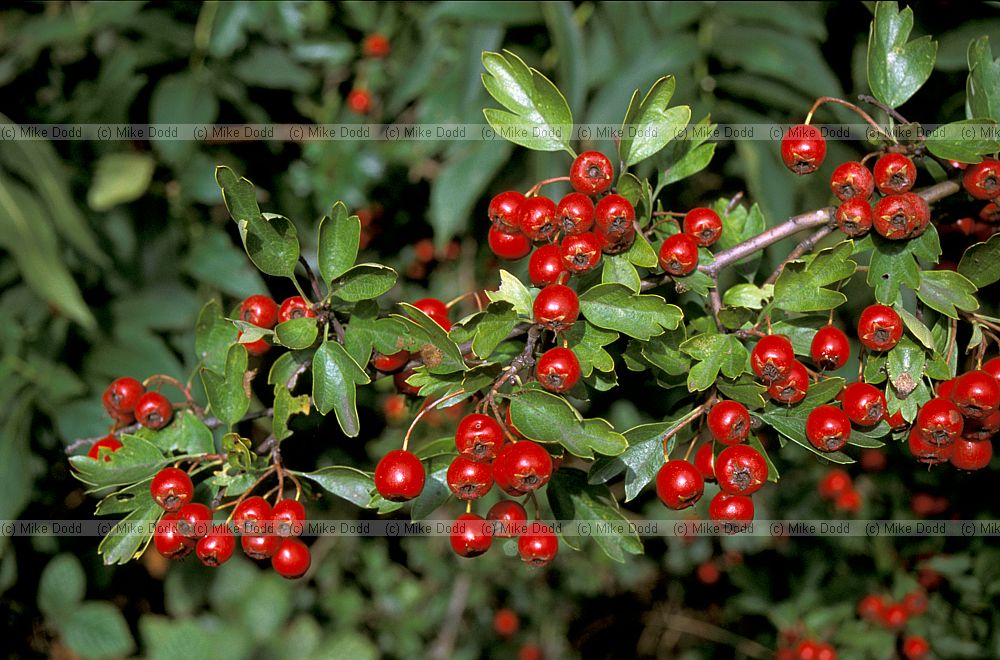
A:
399, 476
704, 460
729, 422
110, 442
295, 307
171, 488
614, 217
509, 246
740, 469
505, 211
894, 616
864, 404
121, 396
509, 518
194, 520
894, 173
971, 454
921, 213
575, 214
803, 149
772, 358
616, 245
854, 217
591, 173
538, 218
849, 500
945, 388
982, 180
390, 363
436, 310
679, 255
833, 483
896, 421
990, 214
939, 422
830, 348
251, 515
529, 652
679, 485
915, 602
506, 622
257, 347
359, 101
852, 180
992, 367
468, 479
977, 394
726, 507
879, 327
479, 437
399, 380
528, 465
292, 559
259, 310
169, 542
539, 545
153, 410
871, 607
503, 474
915, 648
581, 252
828, 428
927, 452
546, 265
217, 547
982, 429
703, 225
556, 307
470, 535
375, 45
793, 387
558, 369
260, 546
873, 460
289, 517
895, 217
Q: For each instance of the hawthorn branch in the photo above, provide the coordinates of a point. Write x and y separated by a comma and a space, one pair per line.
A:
802, 248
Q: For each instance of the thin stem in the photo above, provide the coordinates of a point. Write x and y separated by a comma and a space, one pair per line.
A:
802, 248
246, 493
684, 421
883, 107
298, 287
847, 104
312, 278
715, 302
424, 411
533, 190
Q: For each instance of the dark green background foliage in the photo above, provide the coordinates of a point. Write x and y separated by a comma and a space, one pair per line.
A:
109, 250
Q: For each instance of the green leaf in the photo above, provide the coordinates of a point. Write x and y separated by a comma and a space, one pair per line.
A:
493, 327
714, 353
97, 630
335, 379
981, 262
441, 355
513, 291
364, 282
588, 342
135, 460
946, 290
893, 264
120, 178
61, 587
689, 156
347, 483
897, 69
339, 238
615, 307
772, 471
965, 141
905, 364
213, 337
435, 492
539, 117
297, 334
549, 418
286, 405
663, 352
643, 458
182, 98
271, 242
572, 498
982, 88
738, 225
749, 296
744, 389
228, 392
128, 538
186, 435
650, 125
460, 182
801, 285
641, 253
617, 269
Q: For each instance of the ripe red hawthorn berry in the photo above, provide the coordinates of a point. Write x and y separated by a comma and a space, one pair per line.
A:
873, 460
992, 367
528, 465
558, 369
939, 422
990, 214
359, 101
556, 307
112, 444
257, 347
708, 573
740, 469
251, 514
479, 437
870, 607
849, 501
915, 647
926, 452
915, 602
581, 252
894, 174
921, 213
217, 547
509, 246
169, 542
194, 520
436, 310
982, 429
864, 403
704, 460
833, 483
260, 546
729, 422
470, 535
828, 428
679, 255
726, 507
390, 363
546, 265
830, 348
977, 394
971, 454
538, 218
505, 211
982, 180
792, 388
289, 517
468, 479
879, 327
153, 410
679, 485
614, 216
295, 307
292, 558
508, 518
260, 310
399, 380
896, 421
591, 173
852, 180
616, 246
538, 546
502, 473
530, 652
171, 488
506, 622
894, 616
703, 225
575, 214
399, 476
803, 149
854, 217
376, 46
772, 358
121, 396
895, 218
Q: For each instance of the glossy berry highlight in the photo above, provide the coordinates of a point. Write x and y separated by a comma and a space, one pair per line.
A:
803, 149
679, 484
879, 328
591, 173
679, 255
399, 476
558, 369
729, 422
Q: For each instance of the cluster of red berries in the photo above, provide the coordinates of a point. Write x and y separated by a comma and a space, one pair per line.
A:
263, 312
127, 401
876, 609
838, 487
374, 47
792, 647
678, 254
958, 425
266, 532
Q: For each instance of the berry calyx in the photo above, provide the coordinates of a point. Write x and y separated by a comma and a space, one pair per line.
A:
171, 488
556, 307
251, 514
679, 255
921, 213
939, 422
470, 535
895, 217
260, 546
614, 216
725, 507
833, 483
217, 547
390, 363
194, 520
505, 212
508, 518
830, 348
503, 475
793, 387
704, 460
740, 469
538, 218
292, 558
879, 327
977, 394
260, 310
528, 465
852, 180
982, 180
479, 437
153, 410
294, 307
110, 442
546, 265
772, 358
399, 476
803, 149
729, 422
863, 403
169, 542
679, 485
703, 225
828, 428
854, 217
591, 173
121, 396
468, 479
508, 245
927, 452
894, 174
971, 454
581, 252
575, 214
558, 369
539, 545
289, 517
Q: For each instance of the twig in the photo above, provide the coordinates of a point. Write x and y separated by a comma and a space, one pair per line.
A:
312, 278
711, 632
847, 104
444, 643
883, 107
802, 248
